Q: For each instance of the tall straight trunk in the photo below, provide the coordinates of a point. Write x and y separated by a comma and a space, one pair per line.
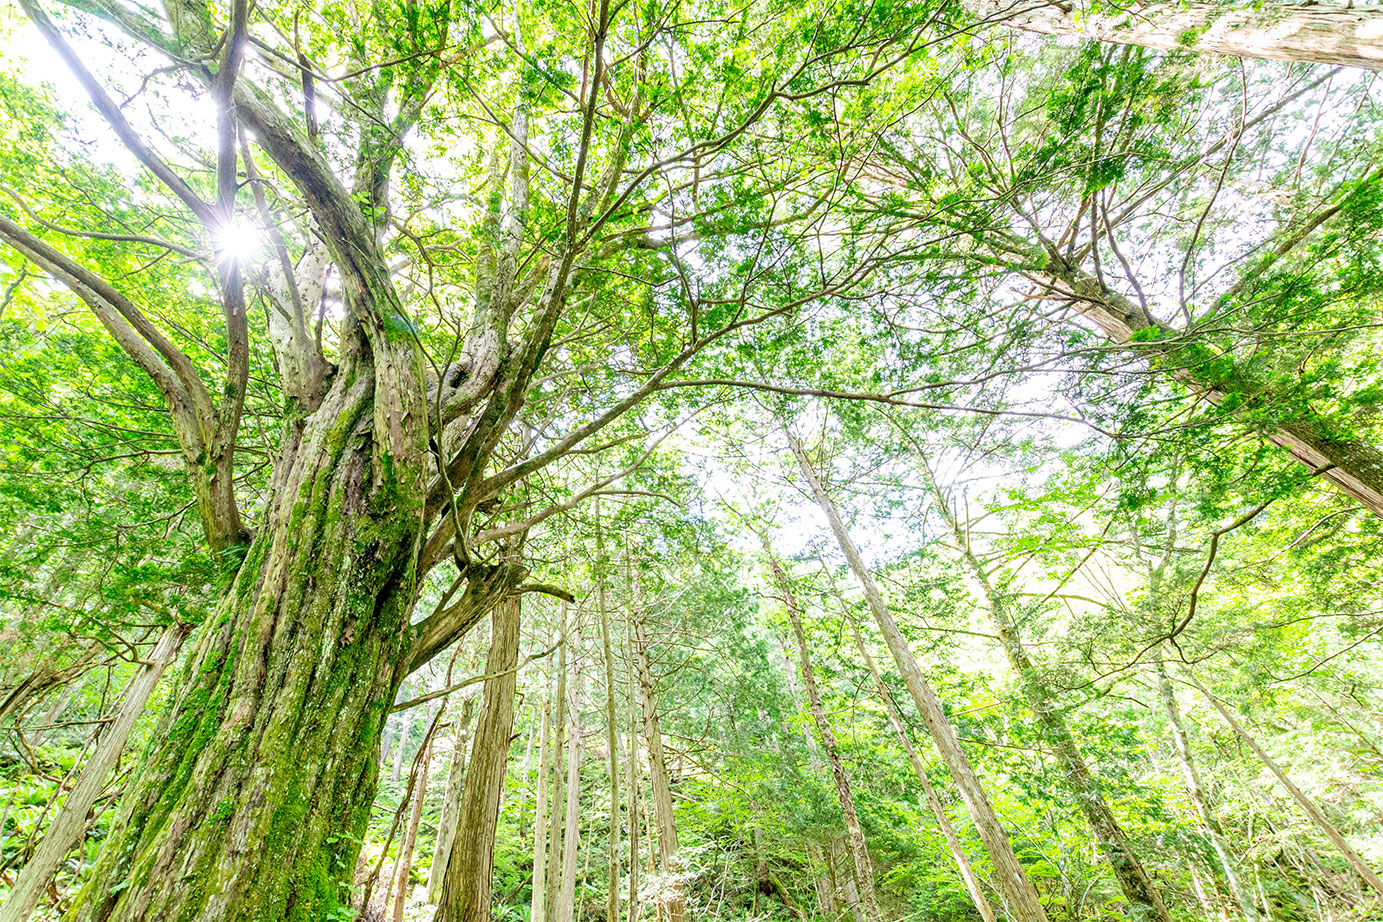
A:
315, 622
1144, 900
967, 873
611, 731
635, 784
537, 911
859, 852
1320, 33
668, 862
1200, 800
403, 867
70, 822
1306, 803
466, 891
559, 727
571, 831
451, 803
1009, 876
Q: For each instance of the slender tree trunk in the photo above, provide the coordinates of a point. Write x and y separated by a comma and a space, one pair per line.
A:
1306, 803
405, 730
635, 784
555, 804
538, 901
611, 729
859, 852
1144, 900
662, 786
566, 896
967, 873
1322, 33
70, 822
1009, 876
466, 892
451, 803
1200, 800
403, 867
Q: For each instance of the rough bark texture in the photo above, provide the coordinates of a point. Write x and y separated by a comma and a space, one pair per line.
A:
1144, 900
668, 861
466, 890
69, 824
859, 851
1200, 800
1360, 866
571, 829
1321, 33
1009, 877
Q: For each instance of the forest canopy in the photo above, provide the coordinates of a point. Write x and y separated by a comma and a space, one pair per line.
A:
865, 460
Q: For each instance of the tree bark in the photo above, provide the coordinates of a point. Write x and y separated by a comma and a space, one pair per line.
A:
611, 728
70, 822
859, 852
967, 873
1200, 800
466, 891
555, 827
451, 804
537, 911
1143, 898
1306, 803
571, 831
668, 862
635, 782
405, 730
1320, 33
1010, 879
403, 867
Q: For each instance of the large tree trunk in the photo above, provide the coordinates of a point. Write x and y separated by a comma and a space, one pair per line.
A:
859, 852
258, 783
1321, 33
451, 803
1307, 804
668, 861
70, 822
1144, 900
466, 890
1009, 877
1200, 799
967, 873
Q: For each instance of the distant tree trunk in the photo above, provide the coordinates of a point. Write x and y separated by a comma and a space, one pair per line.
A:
635, 784
612, 745
825, 887
405, 729
859, 852
70, 822
403, 867
466, 891
967, 873
571, 832
537, 911
451, 803
1306, 803
661, 784
1010, 878
558, 799
1200, 799
1321, 33
1138, 888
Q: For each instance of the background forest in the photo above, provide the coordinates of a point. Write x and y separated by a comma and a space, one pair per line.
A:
673, 460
